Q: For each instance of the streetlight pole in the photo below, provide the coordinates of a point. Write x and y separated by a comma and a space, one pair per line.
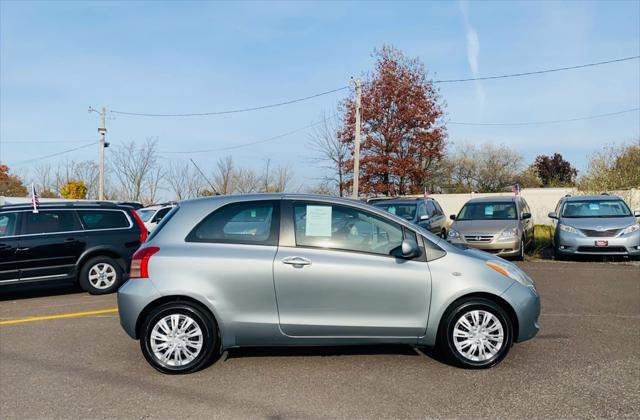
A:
356, 153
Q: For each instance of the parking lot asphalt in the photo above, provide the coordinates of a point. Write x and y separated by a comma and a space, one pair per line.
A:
584, 363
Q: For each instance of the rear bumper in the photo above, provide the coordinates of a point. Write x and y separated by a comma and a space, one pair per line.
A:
133, 297
574, 244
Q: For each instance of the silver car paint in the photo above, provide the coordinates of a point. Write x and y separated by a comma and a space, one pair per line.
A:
341, 298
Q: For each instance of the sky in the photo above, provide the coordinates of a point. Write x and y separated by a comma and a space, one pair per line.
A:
59, 58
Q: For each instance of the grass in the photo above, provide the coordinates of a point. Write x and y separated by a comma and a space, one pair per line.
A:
542, 235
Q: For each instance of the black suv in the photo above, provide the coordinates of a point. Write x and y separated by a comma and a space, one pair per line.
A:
424, 212
90, 242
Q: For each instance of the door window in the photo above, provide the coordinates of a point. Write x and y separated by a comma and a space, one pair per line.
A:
103, 219
439, 211
422, 209
50, 222
431, 209
8, 224
254, 223
344, 228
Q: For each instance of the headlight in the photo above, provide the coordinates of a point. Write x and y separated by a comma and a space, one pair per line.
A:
631, 229
453, 234
508, 234
568, 228
511, 271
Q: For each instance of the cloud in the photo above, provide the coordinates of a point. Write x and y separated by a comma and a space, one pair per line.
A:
473, 50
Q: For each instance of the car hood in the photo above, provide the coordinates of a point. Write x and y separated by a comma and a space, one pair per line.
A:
483, 226
603, 223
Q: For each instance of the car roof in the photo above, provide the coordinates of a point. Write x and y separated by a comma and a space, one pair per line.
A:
592, 197
66, 204
500, 199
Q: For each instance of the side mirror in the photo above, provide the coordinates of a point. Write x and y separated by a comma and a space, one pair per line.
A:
526, 216
452, 217
636, 213
553, 215
410, 248
424, 217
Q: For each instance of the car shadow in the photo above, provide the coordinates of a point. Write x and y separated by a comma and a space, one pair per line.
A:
332, 351
37, 290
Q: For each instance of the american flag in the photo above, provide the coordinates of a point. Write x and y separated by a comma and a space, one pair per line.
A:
516, 189
34, 198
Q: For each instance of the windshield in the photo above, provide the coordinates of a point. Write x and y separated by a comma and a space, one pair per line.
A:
145, 215
488, 211
596, 208
406, 211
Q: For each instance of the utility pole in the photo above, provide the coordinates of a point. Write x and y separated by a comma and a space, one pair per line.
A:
102, 130
356, 154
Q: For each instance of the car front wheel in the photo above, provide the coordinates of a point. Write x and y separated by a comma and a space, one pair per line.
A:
476, 333
178, 338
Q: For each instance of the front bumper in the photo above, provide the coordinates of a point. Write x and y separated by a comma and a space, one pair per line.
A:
133, 297
525, 302
509, 248
577, 244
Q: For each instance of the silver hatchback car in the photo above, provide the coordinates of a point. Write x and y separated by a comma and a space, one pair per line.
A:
306, 270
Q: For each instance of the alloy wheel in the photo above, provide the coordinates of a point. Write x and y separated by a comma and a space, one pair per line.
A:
176, 340
478, 335
102, 276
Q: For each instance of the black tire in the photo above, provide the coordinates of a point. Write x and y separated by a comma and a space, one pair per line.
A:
443, 233
102, 288
520, 256
201, 317
446, 340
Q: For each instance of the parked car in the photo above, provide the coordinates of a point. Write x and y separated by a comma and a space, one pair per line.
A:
152, 215
424, 212
498, 225
302, 270
595, 225
91, 243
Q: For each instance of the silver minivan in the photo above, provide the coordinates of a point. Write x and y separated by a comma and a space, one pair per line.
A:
307, 270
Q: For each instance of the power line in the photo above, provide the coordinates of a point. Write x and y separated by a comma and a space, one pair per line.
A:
279, 136
52, 155
274, 105
590, 117
42, 141
529, 73
233, 111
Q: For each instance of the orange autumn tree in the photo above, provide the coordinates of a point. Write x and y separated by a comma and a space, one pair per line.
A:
11, 185
403, 134
74, 190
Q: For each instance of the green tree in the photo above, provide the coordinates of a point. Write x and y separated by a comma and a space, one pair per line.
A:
614, 167
75, 190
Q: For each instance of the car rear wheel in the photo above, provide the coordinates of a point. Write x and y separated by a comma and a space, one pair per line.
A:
178, 338
476, 333
443, 234
100, 275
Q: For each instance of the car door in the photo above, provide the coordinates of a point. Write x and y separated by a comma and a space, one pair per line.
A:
527, 224
335, 275
9, 243
51, 244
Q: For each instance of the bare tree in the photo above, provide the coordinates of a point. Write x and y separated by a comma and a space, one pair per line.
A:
44, 181
184, 181
137, 171
281, 180
224, 176
325, 142
246, 181
486, 168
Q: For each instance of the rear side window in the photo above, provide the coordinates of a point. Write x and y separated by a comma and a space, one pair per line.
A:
254, 223
431, 209
50, 222
103, 219
8, 224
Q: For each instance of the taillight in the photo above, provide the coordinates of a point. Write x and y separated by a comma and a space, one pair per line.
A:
143, 228
140, 262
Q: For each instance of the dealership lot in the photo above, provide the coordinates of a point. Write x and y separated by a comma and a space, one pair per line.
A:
584, 362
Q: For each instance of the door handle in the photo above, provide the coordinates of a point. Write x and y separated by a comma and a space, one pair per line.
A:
21, 249
296, 261
70, 240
